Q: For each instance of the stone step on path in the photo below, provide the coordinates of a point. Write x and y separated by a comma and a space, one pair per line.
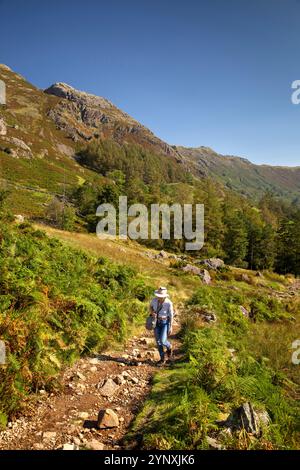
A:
98, 400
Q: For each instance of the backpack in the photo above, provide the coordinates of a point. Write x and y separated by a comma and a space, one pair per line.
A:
152, 321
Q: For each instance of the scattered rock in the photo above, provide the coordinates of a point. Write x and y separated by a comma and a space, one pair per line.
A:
189, 268
38, 446
119, 379
20, 219
94, 361
163, 254
146, 341
245, 417
245, 278
65, 149
126, 374
49, 435
213, 263
83, 415
244, 311
109, 388
203, 273
213, 443
69, 447
154, 355
94, 445
25, 150
107, 419
80, 376
81, 387
210, 317
232, 354
205, 276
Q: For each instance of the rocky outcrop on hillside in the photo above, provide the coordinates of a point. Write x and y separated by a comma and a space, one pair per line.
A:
84, 116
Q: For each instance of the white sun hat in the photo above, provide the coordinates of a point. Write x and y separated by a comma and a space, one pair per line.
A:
161, 292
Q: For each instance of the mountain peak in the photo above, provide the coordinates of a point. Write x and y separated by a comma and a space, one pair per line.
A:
84, 116
64, 90
5, 67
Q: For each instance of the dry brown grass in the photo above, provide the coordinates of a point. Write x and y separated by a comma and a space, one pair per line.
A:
133, 254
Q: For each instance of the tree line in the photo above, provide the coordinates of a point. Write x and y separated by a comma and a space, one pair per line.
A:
244, 233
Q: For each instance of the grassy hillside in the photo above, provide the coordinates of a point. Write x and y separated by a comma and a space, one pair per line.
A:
46, 168
62, 299
56, 304
243, 176
227, 364
44, 131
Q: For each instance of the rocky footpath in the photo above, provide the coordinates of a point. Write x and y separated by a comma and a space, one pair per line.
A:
98, 399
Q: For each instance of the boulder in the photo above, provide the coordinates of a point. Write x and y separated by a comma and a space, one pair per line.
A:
205, 276
20, 144
107, 419
246, 417
213, 263
109, 388
189, 268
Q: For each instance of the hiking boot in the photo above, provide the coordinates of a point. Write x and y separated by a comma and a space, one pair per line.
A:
169, 353
161, 362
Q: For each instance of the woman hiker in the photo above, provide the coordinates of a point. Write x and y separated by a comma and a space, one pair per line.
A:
161, 307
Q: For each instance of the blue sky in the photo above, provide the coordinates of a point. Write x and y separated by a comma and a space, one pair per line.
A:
212, 72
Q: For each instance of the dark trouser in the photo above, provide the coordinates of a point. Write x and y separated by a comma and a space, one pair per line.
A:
161, 336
